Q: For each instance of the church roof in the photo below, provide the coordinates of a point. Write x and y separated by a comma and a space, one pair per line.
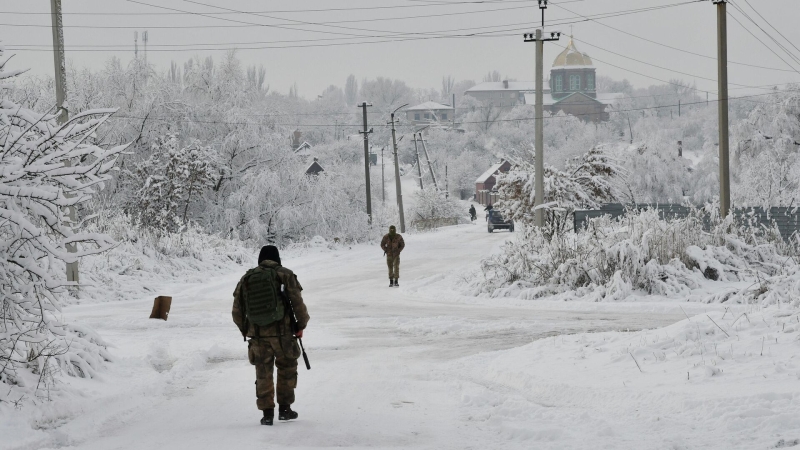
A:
571, 57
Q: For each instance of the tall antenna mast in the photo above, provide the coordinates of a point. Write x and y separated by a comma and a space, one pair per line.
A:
136, 44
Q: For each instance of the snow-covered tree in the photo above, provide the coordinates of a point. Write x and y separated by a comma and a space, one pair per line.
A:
587, 182
765, 152
45, 168
174, 177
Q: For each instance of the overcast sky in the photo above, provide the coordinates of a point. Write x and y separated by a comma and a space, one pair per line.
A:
413, 48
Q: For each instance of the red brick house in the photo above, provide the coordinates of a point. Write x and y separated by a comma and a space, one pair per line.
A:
485, 193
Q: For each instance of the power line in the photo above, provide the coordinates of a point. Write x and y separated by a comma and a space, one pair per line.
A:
244, 24
558, 5
383, 38
662, 67
765, 20
279, 11
520, 119
767, 34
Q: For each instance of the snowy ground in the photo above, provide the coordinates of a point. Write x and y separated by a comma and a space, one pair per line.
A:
425, 367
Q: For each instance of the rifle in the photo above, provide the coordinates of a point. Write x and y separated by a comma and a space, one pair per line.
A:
293, 320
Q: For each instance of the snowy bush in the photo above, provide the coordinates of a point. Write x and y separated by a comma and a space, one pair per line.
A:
640, 252
431, 204
45, 168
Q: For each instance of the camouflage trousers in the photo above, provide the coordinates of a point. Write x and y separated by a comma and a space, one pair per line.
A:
267, 353
394, 266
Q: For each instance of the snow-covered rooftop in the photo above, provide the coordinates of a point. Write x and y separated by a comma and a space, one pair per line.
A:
500, 86
429, 106
491, 171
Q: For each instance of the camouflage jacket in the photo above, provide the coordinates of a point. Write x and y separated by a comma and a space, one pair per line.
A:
291, 288
393, 245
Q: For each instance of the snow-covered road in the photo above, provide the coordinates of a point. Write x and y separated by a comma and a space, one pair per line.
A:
388, 364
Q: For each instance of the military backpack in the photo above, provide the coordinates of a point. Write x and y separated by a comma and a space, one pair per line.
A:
263, 304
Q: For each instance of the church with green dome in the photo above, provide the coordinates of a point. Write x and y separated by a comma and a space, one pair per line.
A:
572, 89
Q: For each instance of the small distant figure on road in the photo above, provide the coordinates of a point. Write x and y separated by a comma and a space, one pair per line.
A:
488, 210
268, 308
472, 213
392, 244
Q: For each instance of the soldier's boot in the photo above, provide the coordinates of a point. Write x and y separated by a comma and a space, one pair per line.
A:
395, 282
269, 415
391, 282
285, 413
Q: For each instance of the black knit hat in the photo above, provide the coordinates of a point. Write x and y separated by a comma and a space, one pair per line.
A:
269, 252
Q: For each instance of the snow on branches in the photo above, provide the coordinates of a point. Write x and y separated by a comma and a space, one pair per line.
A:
45, 168
587, 182
766, 148
174, 177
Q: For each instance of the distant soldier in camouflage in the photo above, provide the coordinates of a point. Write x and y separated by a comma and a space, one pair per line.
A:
273, 345
392, 244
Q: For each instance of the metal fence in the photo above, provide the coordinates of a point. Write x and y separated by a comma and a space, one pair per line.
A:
787, 219
428, 224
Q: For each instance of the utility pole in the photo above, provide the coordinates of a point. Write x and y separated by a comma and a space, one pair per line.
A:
383, 183
430, 167
59, 62
397, 174
446, 183
630, 128
145, 38
366, 133
136, 45
722, 66
419, 164
454, 111
539, 162
679, 108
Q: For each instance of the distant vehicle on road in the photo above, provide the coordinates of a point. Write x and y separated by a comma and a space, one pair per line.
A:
496, 221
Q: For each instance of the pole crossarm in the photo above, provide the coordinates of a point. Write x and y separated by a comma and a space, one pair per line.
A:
531, 37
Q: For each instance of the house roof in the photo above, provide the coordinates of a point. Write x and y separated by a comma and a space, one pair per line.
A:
490, 172
530, 99
314, 168
610, 97
429, 106
303, 150
490, 86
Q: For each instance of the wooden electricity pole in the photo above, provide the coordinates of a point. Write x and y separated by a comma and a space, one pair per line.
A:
383, 182
366, 133
73, 275
539, 158
398, 188
430, 167
419, 164
722, 67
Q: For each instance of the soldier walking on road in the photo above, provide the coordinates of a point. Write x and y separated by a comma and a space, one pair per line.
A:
392, 244
472, 213
262, 312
